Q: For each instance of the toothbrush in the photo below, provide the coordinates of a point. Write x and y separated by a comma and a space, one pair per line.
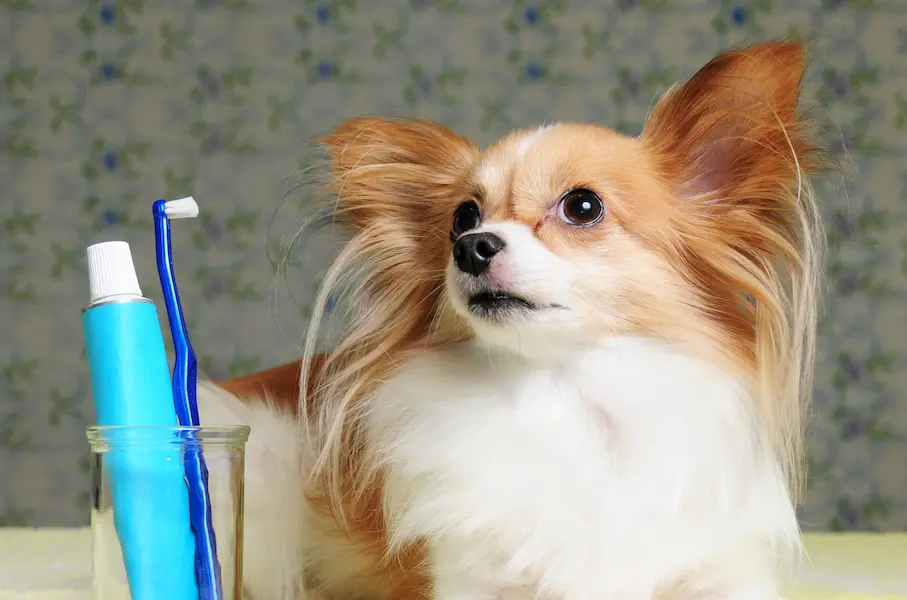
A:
130, 383
185, 374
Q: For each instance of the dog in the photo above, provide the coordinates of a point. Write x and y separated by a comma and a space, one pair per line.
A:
577, 362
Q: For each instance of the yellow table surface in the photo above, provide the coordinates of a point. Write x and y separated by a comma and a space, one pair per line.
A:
46, 564
848, 566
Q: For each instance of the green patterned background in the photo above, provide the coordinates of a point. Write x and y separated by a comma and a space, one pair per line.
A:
107, 106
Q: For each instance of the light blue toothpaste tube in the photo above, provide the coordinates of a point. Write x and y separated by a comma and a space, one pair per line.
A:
130, 381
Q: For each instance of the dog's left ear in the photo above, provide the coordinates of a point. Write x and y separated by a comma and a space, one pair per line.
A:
732, 129
732, 150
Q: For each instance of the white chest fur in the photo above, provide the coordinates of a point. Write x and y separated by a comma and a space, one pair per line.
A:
630, 470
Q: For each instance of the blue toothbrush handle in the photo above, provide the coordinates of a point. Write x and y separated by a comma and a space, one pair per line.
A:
206, 563
185, 374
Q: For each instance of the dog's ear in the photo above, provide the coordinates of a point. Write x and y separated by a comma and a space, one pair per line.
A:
731, 147
398, 173
732, 129
397, 184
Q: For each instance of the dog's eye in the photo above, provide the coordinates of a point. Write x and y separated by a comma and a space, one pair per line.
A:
466, 217
581, 207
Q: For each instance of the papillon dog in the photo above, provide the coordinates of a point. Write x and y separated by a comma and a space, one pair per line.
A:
576, 364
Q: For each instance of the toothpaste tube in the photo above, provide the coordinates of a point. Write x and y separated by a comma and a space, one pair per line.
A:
131, 386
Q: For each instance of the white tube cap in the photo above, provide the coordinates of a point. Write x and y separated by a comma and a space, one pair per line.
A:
111, 272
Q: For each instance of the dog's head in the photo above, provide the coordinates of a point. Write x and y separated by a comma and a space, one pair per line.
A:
567, 233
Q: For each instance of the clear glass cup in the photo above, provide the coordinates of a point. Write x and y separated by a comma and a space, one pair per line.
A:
138, 488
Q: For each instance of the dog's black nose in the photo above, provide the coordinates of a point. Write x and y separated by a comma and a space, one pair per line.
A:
473, 252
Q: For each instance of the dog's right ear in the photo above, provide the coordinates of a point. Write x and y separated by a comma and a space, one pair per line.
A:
394, 171
397, 184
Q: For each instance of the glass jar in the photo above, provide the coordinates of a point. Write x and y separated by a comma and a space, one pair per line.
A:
143, 547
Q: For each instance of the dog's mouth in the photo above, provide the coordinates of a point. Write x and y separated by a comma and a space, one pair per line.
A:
496, 305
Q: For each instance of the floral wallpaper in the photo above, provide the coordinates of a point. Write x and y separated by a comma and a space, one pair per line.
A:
106, 106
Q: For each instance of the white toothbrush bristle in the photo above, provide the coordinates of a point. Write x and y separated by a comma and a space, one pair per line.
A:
184, 208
